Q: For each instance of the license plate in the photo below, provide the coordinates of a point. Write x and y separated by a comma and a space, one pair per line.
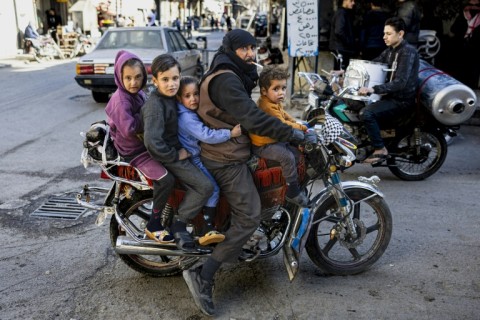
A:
109, 70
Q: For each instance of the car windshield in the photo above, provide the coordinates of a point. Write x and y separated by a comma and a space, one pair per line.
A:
125, 39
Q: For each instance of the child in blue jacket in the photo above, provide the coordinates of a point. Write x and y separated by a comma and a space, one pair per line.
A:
192, 131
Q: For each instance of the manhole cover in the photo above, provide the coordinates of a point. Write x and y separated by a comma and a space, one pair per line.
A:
60, 208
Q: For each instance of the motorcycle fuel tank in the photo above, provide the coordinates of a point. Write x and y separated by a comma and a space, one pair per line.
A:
450, 101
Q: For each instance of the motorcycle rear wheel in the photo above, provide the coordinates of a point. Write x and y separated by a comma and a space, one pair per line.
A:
341, 255
136, 210
412, 165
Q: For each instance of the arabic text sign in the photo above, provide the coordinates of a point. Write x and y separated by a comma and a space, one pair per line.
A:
302, 26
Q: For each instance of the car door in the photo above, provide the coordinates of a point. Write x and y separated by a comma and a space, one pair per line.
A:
182, 52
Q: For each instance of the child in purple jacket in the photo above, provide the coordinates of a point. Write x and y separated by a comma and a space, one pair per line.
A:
126, 128
192, 131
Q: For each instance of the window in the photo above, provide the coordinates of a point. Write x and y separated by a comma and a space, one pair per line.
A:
132, 39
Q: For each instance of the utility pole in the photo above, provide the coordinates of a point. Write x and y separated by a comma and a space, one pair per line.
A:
158, 13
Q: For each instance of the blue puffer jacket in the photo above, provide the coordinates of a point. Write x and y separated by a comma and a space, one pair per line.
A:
191, 130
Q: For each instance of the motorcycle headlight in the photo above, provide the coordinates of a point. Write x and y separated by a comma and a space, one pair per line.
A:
345, 157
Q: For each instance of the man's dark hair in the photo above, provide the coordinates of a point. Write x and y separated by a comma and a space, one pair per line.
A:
377, 3
396, 23
164, 62
270, 73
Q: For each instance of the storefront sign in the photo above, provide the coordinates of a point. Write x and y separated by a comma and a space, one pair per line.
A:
302, 28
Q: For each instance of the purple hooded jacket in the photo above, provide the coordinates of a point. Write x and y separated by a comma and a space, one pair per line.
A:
123, 111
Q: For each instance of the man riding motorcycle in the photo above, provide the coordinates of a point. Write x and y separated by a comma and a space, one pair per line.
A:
398, 93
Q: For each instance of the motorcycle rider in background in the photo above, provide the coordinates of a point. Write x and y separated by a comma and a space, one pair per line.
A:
398, 94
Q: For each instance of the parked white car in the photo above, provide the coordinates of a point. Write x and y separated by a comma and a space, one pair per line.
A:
95, 70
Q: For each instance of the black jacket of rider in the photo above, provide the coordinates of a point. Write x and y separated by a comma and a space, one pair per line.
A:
403, 86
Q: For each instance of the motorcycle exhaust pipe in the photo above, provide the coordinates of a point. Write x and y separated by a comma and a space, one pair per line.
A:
126, 245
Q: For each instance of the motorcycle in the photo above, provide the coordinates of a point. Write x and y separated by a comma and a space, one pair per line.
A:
416, 144
347, 228
267, 54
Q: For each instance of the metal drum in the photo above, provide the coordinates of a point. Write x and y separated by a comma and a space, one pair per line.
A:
363, 73
450, 101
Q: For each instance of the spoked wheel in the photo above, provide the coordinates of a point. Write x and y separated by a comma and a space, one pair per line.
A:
138, 212
334, 250
417, 155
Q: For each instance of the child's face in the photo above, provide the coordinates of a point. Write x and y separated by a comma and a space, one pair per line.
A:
276, 92
132, 78
190, 96
167, 82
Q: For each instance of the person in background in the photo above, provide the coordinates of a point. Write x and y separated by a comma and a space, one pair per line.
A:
409, 12
126, 128
121, 22
53, 21
228, 21
273, 88
32, 35
192, 131
398, 94
160, 127
342, 37
188, 25
151, 19
225, 101
177, 24
466, 30
371, 34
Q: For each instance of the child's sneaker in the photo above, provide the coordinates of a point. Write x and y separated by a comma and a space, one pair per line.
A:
161, 236
211, 237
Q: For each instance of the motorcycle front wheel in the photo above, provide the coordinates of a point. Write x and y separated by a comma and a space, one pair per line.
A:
333, 250
137, 210
416, 156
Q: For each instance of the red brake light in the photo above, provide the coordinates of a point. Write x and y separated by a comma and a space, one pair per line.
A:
149, 68
85, 69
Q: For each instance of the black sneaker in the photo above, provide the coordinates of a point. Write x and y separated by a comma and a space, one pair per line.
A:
300, 200
200, 289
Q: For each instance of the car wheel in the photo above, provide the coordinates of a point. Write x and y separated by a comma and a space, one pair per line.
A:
100, 97
199, 70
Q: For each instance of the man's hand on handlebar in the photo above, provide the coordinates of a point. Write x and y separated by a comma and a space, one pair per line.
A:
364, 91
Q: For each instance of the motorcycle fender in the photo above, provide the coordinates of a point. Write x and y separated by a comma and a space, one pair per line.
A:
324, 194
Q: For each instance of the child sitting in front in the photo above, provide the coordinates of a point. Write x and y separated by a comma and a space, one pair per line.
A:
273, 86
160, 124
123, 116
192, 131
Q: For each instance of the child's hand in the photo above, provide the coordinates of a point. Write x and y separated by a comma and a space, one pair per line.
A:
236, 131
183, 154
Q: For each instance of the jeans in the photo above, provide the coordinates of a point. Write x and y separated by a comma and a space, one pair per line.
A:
198, 189
237, 185
381, 113
213, 200
281, 152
